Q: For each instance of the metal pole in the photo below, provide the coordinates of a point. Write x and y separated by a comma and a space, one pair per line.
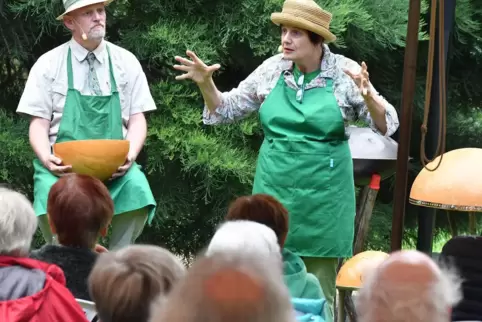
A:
426, 216
408, 93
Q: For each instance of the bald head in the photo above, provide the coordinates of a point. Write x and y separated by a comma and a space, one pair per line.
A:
232, 287
408, 267
408, 286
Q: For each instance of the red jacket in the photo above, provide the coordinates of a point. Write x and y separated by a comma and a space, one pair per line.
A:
34, 291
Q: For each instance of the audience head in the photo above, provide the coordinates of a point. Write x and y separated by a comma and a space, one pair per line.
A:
79, 209
230, 286
244, 236
18, 223
263, 209
408, 286
124, 284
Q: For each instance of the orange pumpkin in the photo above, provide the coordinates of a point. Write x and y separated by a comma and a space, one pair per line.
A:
97, 158
353, 271
455, 185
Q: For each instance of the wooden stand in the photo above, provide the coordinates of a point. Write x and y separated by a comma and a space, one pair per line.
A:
408, 95
363, 216
365, 212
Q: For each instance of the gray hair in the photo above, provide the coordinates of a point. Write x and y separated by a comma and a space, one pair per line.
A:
124, 284
408, 302
18, 223
244, 236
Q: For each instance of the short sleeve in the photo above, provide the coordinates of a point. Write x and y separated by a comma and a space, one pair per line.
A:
36, 99
141, 97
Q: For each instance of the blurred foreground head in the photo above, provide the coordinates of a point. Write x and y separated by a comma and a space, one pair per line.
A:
234, 287
126, 283
408, 287
18, 223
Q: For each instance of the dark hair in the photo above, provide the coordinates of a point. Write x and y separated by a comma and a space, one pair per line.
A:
79, 206
263, 209
315, 39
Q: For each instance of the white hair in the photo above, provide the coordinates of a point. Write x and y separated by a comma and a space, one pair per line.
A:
377, 302
18, 223
244, 236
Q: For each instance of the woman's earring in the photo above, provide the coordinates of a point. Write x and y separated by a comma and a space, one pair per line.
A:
280, 49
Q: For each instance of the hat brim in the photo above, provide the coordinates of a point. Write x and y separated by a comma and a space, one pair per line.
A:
279, 18
82, 4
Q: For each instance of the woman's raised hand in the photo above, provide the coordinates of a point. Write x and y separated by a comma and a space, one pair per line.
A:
195, 69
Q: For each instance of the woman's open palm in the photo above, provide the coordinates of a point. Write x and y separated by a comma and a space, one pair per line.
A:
194, 69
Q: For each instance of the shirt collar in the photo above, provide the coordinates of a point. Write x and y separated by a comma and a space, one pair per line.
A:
81, 53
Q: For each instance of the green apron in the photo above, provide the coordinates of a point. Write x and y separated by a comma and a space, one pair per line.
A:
305, 162
89, 118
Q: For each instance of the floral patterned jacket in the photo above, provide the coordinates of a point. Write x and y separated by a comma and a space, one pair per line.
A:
251, 92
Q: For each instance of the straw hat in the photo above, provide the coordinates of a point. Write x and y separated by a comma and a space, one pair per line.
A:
305, 14
71, 5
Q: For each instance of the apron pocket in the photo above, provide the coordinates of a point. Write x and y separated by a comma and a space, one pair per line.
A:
303, 171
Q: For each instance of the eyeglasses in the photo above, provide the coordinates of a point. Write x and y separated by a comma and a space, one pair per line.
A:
301, 90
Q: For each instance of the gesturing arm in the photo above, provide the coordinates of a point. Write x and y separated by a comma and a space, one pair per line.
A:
211, 95
368, 104
220, 107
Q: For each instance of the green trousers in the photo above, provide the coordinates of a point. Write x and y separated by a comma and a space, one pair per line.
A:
325, 270
126, 228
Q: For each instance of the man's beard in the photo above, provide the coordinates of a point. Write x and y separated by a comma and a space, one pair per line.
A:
96, 33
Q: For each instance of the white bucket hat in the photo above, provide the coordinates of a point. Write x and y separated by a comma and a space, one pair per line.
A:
71, 5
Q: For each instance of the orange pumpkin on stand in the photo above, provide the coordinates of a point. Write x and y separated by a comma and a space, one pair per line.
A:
454, 185
97, 158
352, 273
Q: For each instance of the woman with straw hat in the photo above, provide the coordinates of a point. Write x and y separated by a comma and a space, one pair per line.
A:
305, 96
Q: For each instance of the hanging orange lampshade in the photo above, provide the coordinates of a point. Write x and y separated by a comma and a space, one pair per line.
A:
455, 185
97, 158
352, 273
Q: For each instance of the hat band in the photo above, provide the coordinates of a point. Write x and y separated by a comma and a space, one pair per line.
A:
309, 17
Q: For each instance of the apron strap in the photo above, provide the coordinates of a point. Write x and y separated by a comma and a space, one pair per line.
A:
113, 84
70, 76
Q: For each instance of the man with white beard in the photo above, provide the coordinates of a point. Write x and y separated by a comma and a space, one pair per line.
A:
88, 89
